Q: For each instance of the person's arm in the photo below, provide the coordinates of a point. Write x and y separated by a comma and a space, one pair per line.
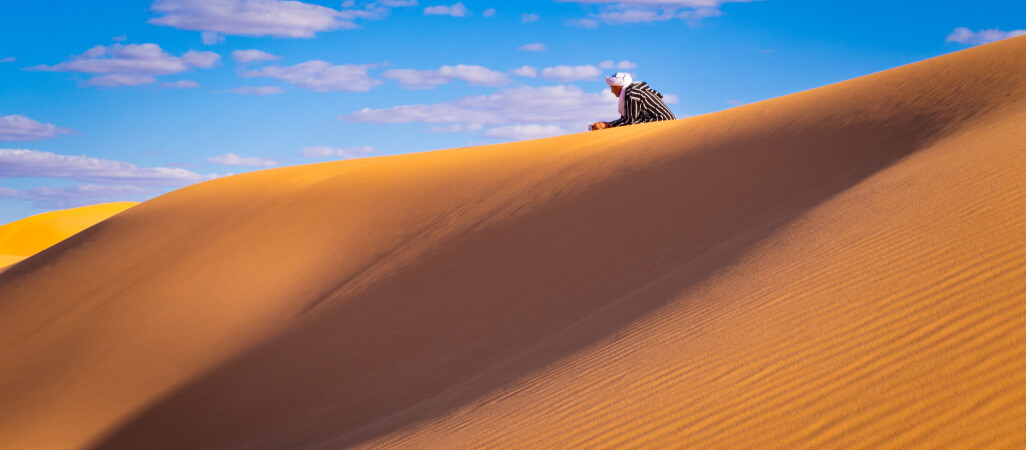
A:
630, 114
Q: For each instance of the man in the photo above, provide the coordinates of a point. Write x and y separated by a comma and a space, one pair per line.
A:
638, 102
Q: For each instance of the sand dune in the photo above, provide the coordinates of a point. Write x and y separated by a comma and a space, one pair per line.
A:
842, 267
28, 236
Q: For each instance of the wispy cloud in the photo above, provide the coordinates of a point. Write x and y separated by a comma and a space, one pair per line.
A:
490, 12
583, 23
528, 18
457, 10
427, 79
622, 65
249, 56
541, 110
183, 84
231, 159
211, 37
78, 195
535, 47
524, 132
320, 151
321, 76
130, 65
121, 79
567, 74
964, 35
8, 59
101, 179
280, 18
17, 127
457, 128
392, 3
525, 71
257, 90
37, 164
615, 12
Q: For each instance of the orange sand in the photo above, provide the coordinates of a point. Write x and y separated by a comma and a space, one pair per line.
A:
28, 236
842, 267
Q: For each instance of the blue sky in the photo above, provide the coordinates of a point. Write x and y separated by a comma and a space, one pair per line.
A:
126, 100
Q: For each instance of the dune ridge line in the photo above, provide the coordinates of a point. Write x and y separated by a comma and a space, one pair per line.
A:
841, 267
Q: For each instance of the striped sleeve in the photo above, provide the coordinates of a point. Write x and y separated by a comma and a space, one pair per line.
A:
625, 118
642, 105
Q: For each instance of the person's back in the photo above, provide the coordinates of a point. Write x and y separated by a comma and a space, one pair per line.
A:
638, 103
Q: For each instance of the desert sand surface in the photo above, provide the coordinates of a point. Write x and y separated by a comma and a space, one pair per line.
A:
26, 237
843, 267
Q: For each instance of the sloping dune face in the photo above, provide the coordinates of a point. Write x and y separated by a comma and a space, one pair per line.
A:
28, 236
840, 267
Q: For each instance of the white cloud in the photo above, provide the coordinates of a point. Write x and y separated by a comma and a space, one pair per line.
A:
37, 164
583, 23
964, 35
566, 74
120, 79
121, 38
78, 195
321, 76
490, 12
524, 132
636, 15
563, 105
695, 16
457, 10
416, 79
525, 71
678, 3
293, 19
8, 59
20, 128
231, 159
622, 65
535, 47
671, 99
105, 180
427, 79
457, 128
640, 11
146, 59
528, 18
131, 64
183, 84
248, 56
203, 60
211, 37
257, 90
396, 3
476, 75
320, 151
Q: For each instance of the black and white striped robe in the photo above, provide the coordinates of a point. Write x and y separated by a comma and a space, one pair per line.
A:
642, 104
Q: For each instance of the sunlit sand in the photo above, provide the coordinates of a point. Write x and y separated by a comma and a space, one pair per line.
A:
28, 236
841, 267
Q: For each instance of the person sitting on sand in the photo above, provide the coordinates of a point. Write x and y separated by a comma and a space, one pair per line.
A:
638, 102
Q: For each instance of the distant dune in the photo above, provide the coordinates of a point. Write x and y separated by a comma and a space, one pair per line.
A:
842, 267
28, 236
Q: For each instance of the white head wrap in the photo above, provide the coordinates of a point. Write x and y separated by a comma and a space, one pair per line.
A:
620, 79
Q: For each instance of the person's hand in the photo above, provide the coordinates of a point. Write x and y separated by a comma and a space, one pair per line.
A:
598, 126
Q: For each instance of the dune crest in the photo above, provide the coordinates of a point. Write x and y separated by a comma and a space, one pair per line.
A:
26, 237
839, 267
